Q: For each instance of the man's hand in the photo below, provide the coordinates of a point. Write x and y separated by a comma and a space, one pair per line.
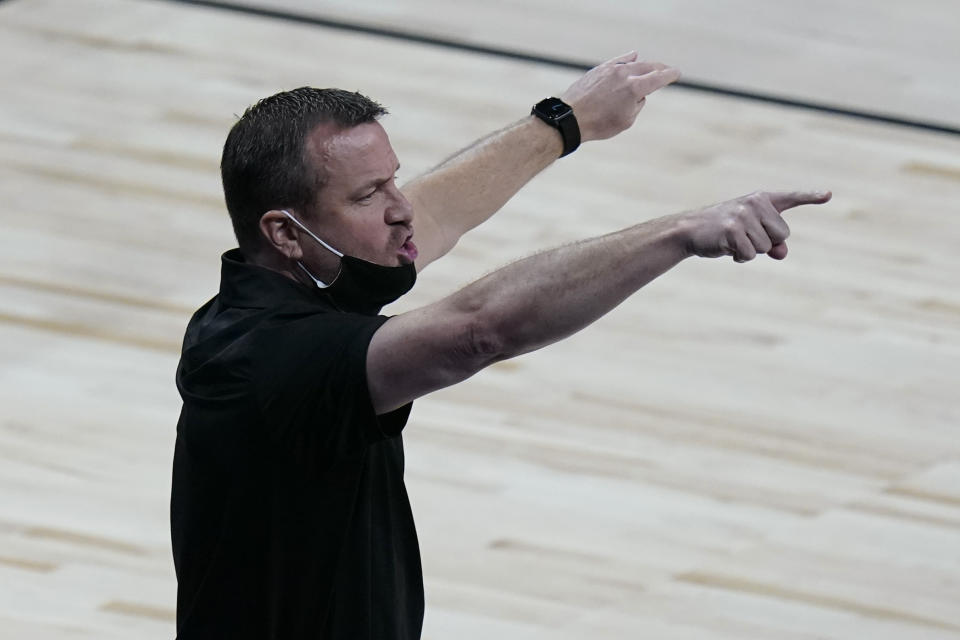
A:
745, 226
607, 99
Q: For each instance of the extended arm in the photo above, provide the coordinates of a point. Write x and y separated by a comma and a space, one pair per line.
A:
544, 298
471, 186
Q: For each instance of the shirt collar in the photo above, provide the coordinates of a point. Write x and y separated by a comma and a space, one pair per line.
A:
247, 285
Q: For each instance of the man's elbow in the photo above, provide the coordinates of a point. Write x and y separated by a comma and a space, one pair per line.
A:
482, 344
487, 334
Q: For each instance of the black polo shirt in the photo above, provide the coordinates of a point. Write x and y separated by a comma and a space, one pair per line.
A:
288, 513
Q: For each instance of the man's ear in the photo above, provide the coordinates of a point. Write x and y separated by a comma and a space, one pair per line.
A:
281, 234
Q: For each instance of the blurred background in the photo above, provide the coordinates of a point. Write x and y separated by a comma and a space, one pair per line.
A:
766, 450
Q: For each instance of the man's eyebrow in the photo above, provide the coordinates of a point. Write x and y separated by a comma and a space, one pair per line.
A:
375, 182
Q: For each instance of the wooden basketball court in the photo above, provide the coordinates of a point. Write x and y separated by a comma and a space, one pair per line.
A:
769, 450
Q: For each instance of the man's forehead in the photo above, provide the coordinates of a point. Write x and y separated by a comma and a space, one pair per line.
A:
359, 151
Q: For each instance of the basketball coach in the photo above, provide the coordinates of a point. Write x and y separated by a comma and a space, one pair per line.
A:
289, 515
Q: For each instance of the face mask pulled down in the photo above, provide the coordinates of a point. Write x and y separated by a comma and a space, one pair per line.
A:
361, 286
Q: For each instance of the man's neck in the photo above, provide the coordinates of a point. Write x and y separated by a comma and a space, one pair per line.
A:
281, 264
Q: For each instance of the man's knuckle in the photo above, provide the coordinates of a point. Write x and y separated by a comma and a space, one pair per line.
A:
731, 230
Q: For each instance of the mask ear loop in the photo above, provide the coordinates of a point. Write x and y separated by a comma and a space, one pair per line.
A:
320, 283
312, 235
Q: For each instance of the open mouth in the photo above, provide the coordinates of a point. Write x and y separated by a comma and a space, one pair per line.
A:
408, 250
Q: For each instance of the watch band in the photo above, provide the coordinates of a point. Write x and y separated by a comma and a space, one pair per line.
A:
559, 115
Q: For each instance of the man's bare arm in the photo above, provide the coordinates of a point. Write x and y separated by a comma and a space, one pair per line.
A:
471, 186
549, 296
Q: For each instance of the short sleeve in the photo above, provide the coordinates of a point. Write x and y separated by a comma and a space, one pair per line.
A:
311, 379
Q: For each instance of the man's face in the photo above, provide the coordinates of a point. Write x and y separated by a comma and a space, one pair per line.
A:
359, 209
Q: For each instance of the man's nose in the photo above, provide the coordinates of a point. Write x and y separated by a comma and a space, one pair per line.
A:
399, 210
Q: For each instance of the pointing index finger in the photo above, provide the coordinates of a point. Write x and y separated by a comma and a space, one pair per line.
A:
650, 82
641, 67
783, 200
629, 56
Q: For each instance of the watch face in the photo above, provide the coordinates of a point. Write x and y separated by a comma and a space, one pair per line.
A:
553, 108
556, 113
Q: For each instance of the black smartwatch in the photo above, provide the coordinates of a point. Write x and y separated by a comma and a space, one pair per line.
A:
558, 114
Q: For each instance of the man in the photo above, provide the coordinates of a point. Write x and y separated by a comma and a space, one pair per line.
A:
289, 514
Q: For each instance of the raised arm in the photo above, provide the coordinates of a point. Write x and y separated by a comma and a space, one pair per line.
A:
475, 183
544, 298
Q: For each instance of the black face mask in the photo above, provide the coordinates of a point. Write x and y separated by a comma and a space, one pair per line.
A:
365, 287
362, 286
